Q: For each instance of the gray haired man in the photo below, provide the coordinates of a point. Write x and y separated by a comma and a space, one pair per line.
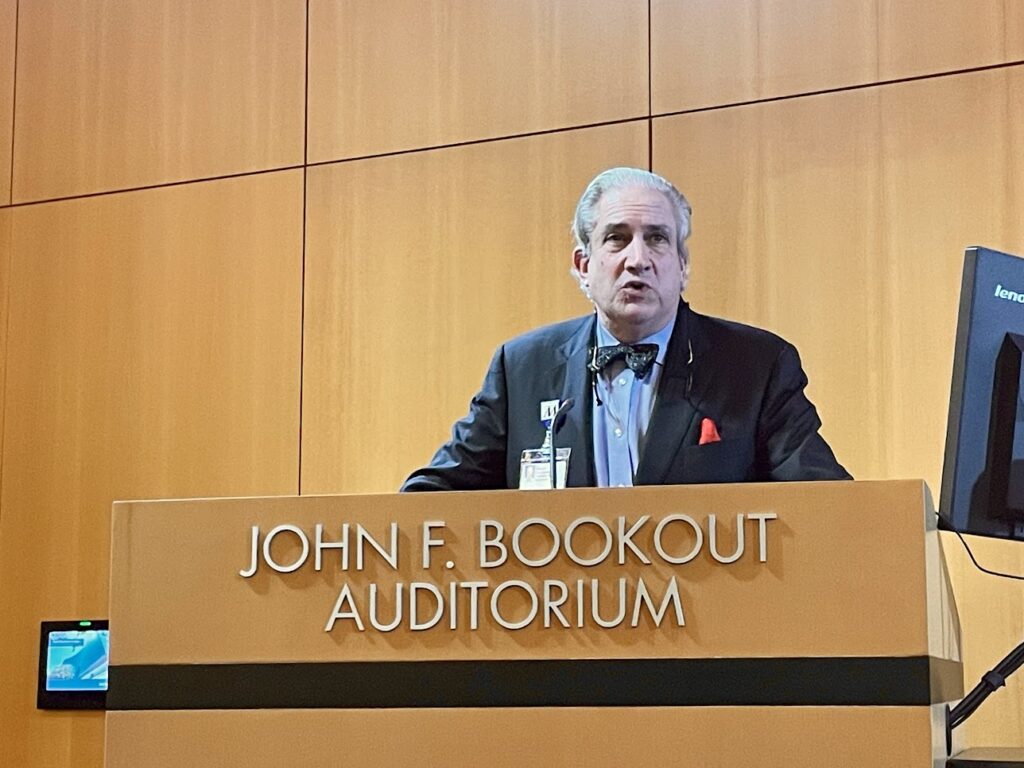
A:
659, 393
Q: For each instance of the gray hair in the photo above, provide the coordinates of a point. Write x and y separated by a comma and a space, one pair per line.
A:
585, 220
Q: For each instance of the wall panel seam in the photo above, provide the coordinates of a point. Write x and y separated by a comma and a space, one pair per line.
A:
842, 89
180, 183
493, 139
302, 278
476, 142
650, 89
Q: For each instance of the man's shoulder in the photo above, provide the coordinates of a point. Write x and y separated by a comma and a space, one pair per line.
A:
719, 333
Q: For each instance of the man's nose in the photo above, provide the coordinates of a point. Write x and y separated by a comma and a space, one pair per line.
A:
638, 256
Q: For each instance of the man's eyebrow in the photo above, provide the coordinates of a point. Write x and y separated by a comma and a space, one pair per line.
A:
612, 226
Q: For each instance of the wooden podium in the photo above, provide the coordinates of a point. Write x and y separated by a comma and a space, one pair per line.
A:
803, 624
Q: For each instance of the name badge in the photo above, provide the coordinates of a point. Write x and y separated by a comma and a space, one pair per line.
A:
548, 409
535, 469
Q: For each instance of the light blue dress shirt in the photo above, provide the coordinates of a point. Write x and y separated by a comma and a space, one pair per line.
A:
621, 421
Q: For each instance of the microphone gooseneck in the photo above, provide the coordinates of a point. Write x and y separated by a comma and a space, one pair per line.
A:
563, 409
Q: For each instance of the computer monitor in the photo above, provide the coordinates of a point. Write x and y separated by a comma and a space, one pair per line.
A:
983, 470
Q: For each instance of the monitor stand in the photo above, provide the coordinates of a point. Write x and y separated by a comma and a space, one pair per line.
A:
988, 757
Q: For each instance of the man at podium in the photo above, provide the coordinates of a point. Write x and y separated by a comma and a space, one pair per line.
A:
644, 390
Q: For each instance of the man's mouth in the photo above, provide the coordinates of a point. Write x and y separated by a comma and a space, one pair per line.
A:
635, 285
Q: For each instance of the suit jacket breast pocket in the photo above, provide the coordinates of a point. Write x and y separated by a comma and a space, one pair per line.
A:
725, 461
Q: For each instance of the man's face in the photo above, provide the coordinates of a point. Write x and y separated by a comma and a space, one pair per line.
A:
634, 272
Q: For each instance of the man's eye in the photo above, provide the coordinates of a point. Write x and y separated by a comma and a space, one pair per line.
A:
657, 237
613, 237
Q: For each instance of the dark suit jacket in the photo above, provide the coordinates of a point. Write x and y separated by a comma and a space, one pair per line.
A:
748, 381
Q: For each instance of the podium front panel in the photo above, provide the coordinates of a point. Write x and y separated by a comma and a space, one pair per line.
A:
723, 621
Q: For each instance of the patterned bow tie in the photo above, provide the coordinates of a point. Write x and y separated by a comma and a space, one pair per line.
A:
638, 357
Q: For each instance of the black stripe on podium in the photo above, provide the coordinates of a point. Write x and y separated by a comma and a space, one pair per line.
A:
919, 680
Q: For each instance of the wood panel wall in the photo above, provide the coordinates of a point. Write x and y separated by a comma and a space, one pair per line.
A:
323, 216
143, 92
710, 53
5, 294
401, 74
8, 27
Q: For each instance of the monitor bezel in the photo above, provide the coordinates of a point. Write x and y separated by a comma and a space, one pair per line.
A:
66, 699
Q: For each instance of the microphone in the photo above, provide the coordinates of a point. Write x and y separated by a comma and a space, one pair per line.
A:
563, 409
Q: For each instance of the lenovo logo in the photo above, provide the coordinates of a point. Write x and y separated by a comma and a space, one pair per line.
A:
1002, 293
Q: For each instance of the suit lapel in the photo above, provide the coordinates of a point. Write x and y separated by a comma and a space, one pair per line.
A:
674, 421
576, 431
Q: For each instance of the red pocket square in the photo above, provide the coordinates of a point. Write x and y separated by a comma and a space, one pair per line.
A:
708, 432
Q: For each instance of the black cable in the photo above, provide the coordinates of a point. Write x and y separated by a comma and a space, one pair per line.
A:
994, 679
981, 567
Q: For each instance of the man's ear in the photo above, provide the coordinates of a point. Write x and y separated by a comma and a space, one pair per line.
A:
581, 261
